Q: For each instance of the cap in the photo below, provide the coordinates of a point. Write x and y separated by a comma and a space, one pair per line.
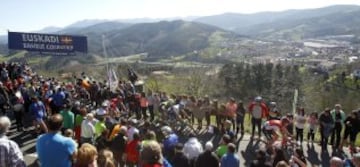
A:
258, 98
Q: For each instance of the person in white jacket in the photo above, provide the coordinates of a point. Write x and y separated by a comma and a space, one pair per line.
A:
192, 149
88, 129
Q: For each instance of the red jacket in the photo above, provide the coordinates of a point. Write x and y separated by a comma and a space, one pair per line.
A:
264, 109
132, 151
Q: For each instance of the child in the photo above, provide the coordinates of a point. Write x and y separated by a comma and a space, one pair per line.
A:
70, 134
313, 123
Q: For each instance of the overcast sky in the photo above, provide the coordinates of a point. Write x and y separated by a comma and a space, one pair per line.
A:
28, 15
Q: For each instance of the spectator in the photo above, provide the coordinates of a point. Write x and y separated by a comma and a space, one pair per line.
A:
10, 154
298, 159
313, 123
207, 158
68, 117
53, 143
151, 155
222, 148
78, 121
99, 127
258, 110
180, 159
88, 129
260, 160
106, 159
118, 146
282, 164
356, 160
231, 108
230, 159
57, 101
338, 116
300, 121
326, 126
132, 151
144, 104
228, 131
170, 141
132, 129
240, 115
102, 142
192, 148
336, 162
4, 98
151, 102
38, 112
102, 111
278, 156
86, 156
70, 134
352, 125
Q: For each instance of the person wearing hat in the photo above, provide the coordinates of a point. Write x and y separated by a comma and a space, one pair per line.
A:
338, 115
274, 111
208, 158
258, 110
326, 126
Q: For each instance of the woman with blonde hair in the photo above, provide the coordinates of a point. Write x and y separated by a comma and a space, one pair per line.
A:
106, 158
86, 156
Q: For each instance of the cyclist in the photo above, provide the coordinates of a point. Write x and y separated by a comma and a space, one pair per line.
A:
271, 129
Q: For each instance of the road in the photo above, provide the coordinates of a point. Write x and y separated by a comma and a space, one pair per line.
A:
246, 148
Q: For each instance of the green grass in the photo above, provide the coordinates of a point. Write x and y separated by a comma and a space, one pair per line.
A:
17, 55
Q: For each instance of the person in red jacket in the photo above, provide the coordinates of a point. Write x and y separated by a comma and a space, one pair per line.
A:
132, 151
258, 110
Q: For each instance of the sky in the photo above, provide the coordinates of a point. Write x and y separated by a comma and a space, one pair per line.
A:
30, 15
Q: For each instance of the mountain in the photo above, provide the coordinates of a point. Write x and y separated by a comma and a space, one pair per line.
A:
258, 23
341, 23
86, 23
99, 28
160, 39
50, 29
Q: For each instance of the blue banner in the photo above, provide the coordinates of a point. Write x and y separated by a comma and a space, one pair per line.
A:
50, 43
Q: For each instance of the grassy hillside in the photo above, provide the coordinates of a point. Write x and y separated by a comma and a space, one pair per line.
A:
342, 23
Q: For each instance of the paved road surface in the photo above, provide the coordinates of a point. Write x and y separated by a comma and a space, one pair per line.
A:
246, 148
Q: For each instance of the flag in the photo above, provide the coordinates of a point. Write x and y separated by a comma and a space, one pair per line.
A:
112, 80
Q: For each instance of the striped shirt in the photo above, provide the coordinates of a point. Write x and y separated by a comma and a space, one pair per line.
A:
10, 154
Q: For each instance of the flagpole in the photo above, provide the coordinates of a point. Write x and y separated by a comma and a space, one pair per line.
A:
106, 59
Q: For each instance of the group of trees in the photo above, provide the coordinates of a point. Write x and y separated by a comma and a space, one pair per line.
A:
277, 82
272, 82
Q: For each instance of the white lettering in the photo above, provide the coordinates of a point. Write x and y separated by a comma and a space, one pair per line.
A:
33, 46
59, 47
40, 38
